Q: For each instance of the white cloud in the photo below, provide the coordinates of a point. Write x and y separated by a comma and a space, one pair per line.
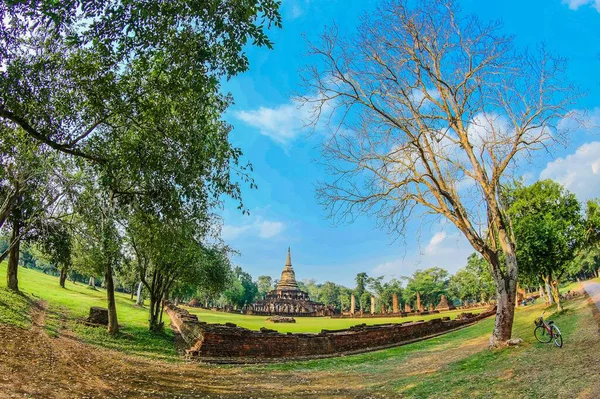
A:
435, 242
446, 250
297, 11
282, 123
581, 119
576, 4
295, 8
578, 172
285, 122
258, 227
269, 229
229, 232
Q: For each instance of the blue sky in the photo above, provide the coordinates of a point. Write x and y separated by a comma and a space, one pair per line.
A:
268, 127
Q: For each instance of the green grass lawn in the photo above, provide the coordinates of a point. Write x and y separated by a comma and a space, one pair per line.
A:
442, 367
309, 324
66, 305
454, 365
573, 286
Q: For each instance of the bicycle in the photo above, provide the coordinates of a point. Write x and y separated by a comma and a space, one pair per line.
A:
547, 331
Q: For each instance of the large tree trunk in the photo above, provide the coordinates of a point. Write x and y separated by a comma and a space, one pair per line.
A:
548, 288
139, 300
12, 282
506, 291
155, 302
556, 294
63, 276
113, 326
132, 291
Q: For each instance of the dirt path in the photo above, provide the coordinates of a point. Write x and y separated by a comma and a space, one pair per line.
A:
35, 365
593, 290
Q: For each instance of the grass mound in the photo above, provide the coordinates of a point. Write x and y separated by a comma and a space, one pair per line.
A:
14, 308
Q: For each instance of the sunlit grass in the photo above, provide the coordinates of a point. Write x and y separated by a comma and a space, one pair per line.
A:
68, 305
310, 324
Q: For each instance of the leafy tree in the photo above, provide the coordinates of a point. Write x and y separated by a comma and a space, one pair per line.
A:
66, 93
312, 288
361, 286
344, 298
431, 284
265, 284
548, 229
56, 243
168, 250
474, 282
585, 265
98, 247
429, 98
241, 290
134, 96
592, 223
364, 300
329, 294
30, 192
390, 288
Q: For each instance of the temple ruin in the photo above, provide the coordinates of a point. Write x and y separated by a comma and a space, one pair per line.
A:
287, 299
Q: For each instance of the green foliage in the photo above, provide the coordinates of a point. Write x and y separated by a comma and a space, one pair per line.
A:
585, 264
474, 282
264, 284
384, 291
241, 290
592, 223
361, 284
55, 242
548, 228
431, 284
130, 93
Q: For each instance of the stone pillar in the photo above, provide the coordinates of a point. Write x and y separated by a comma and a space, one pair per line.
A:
395, 303
352, 304
431, 307
383, 308
419, 306
372, 304
407, 308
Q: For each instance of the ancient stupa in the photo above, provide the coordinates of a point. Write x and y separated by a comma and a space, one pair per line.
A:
287, 299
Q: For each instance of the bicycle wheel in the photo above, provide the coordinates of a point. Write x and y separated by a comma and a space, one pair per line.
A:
542, 335
556, 336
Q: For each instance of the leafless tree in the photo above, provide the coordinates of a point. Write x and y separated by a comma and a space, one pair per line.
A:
432, 110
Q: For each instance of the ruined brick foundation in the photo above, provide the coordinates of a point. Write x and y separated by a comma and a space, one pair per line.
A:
228, 343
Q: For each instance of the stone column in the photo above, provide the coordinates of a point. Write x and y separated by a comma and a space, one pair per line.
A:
395, 303
372, 304
407, 308
352, 304
419, 306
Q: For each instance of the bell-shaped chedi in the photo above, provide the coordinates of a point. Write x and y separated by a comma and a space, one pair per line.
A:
288, 277
444, 305
287, 299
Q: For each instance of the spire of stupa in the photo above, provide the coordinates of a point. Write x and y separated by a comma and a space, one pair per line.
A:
288, 277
